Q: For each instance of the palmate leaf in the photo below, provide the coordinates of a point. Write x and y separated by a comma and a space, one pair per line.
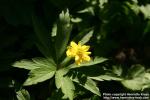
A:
114, 74
41, 69
39, 75
136, 71
34, 63
23, 95
65, 83
64, 28
134, 84
137, 78
26, 64
87, 84
45, 62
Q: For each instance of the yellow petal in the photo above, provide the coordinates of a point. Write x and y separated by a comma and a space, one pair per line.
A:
78, 62
79, 52
87, 58
77, 58
88, 53
79, 44
85, 48
68, 53
73, 44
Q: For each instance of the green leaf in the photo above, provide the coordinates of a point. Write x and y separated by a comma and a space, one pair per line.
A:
39, 75
41, 69
137, 78
43, 42
65, 83
63, 33
89, 10
45, 62
135, 84
136, 71
117, 70
106, 77
84, 36
95, 97
102, 2
114, 74
96, 60
87, 37
54, 30
146, 81
88, 84
26, 64
145, 10
35, 63
23, 95
134, 6
76, 20
147, 76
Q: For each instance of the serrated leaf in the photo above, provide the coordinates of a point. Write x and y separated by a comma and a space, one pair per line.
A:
41, 69
106, 77
65, 83
39, 75
96, 60
63, 33
45, 62
23, 95
137, 78
88, 84
43, 37
35, 63
136, 71
135, 84
26, 64
117, 70
147, 75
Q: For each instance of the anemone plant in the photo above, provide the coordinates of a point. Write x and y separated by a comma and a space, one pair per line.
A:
58, 61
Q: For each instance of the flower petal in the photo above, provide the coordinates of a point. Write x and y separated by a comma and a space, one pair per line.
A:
73, 44
85, 48
77, 58
86, 58
88, 53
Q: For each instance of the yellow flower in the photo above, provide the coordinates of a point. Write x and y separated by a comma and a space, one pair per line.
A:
79, 52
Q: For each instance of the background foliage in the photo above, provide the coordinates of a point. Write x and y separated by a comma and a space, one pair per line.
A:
116, 30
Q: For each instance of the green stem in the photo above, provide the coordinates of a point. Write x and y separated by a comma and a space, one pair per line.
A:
65, 61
